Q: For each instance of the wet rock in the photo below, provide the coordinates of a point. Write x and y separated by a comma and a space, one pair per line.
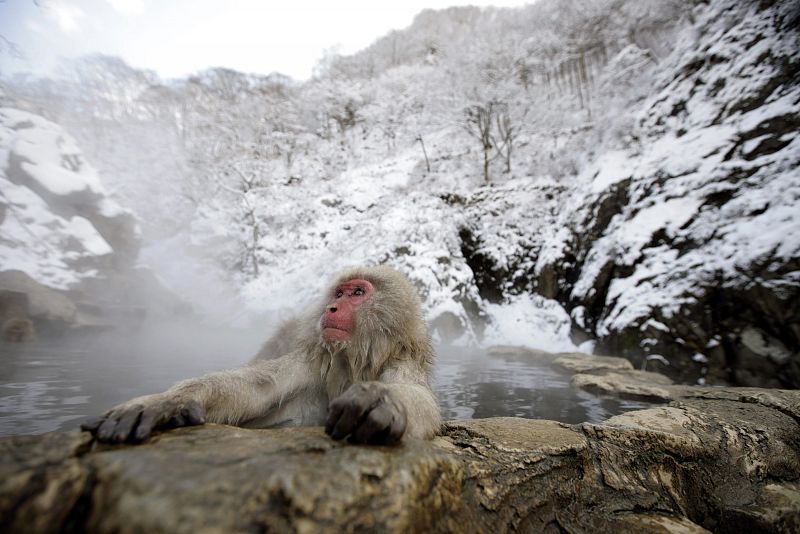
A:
700, 464
44, 304
13, 304
128, 297
633, 383
17, 330
580, 362
625, 383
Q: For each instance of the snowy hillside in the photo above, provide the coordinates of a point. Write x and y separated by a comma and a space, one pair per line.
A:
612, 172
695, 228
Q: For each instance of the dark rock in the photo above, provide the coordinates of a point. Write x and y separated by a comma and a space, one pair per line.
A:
13, 303
45, 305
17, 330
488, 275
447, 326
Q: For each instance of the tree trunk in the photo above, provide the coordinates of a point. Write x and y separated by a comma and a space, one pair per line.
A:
486, 164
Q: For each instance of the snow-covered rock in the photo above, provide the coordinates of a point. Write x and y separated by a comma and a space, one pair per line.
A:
57, 223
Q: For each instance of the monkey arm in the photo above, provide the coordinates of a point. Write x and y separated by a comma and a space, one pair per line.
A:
232, 397
409, 388
422, 410
238, 395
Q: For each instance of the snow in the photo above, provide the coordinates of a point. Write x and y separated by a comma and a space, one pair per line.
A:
607, 170
49, 156
54, 178
92, 242
54, 249
672, 176
31, 237
669, 215
530, 321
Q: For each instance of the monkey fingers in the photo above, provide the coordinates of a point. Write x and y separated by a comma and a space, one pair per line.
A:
108, 430
343, 417
126, 424
368, 414
383, 425
91, 424
135, 422
170, 413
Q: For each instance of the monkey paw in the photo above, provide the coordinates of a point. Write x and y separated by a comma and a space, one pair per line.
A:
368, 414
135, 420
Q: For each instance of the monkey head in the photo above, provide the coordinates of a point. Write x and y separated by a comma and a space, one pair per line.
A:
338, 321
368, 311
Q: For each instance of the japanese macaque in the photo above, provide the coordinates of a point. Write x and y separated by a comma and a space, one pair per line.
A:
359, 363
18, 330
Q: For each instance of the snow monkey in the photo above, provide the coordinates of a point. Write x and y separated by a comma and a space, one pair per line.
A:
360, 364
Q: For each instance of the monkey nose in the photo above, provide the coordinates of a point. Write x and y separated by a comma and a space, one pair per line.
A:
332, 309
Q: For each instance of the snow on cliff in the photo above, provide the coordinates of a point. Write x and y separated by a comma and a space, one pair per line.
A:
715, 175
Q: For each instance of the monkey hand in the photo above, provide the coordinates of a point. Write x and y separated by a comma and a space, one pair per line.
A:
368, 414
135, 420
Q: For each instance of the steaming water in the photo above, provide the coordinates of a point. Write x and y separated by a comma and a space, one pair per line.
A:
51, 385
471, 384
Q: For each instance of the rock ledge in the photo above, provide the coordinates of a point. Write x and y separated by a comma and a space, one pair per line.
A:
726, 460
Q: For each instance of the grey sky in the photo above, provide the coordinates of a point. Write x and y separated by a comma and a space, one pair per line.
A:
178, 37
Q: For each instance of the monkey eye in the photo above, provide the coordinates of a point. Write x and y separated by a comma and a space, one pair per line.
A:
357, 292
339, 293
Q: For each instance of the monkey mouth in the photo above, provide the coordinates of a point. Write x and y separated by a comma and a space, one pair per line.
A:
332, 333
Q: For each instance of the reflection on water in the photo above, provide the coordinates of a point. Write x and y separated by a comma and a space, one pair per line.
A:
473, 385
54, 385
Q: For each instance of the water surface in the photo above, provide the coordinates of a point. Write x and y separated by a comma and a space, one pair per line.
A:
472, 384
49, 385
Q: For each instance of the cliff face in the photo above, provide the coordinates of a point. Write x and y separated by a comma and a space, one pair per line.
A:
686, 242
693, 246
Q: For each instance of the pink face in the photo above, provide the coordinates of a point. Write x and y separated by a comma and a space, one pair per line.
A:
338, 321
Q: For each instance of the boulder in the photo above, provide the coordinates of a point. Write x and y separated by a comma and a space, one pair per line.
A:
624, 383
616, 377
578, 362
43, 303
13, 303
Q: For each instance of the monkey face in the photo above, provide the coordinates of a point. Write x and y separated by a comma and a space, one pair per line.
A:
338, 320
